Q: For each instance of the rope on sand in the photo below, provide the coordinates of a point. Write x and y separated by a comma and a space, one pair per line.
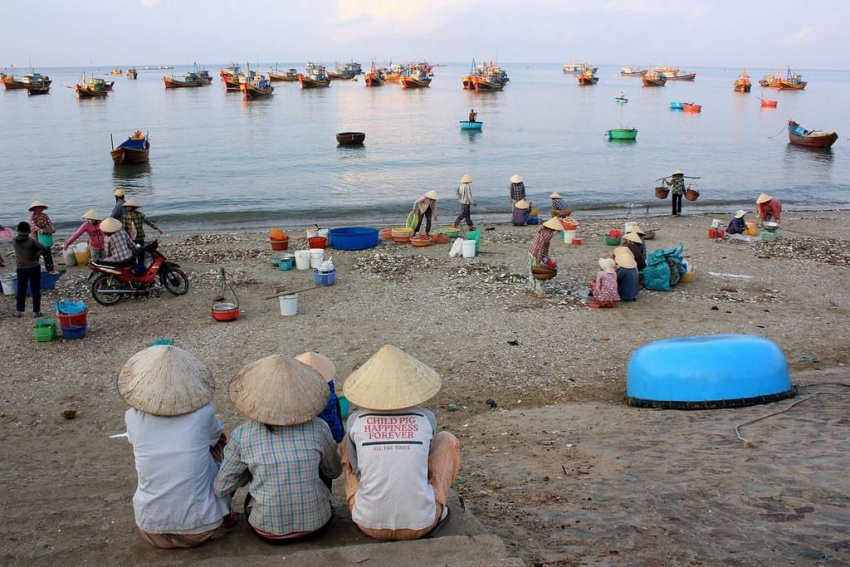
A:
748, 443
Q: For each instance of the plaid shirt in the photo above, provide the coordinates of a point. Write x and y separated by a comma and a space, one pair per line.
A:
281, 466
517, 191
559, 204
119, 247
540, 244
677, 183
136, 221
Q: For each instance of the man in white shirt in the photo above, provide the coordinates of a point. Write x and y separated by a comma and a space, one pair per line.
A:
464, 196
398, 469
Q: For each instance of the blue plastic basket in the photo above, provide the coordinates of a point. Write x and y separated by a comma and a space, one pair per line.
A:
73, 333
328, 278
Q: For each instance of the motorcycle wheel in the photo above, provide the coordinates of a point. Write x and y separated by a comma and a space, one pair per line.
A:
104, 282
175, 281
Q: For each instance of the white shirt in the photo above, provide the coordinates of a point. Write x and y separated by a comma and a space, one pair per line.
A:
176, 470
389, 452
464, 194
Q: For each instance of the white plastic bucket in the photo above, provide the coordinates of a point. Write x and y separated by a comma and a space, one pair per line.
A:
70, 259
289, 304
317, 255
302, 260
468, 248
569, 235
9, 284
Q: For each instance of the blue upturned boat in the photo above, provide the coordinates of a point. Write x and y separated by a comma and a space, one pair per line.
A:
677, 106
467, 125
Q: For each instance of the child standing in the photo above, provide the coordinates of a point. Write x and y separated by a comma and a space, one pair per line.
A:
42, 230
604, 287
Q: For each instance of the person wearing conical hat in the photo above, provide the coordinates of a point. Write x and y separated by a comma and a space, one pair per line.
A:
677, 182
604, 287
538, 254
464, 197
135, 221
284, 453
398, 468
426, 206
737, 225
42, 230
332, 414
768, 208
521, 212
118, 209
118, 248
559, 206
177, 443
517, 188
628, 278
635, 244
95, 236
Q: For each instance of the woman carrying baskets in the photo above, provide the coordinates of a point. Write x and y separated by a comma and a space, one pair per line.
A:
540, 266
677, 183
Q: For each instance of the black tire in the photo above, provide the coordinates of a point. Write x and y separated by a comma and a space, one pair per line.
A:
103, 282
175, 281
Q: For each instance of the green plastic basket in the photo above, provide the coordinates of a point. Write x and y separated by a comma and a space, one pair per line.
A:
44, 330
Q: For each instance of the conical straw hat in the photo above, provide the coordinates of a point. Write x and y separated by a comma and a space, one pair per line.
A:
111, 225
391, 379
278, 390
607, 265
132, 203
467, 178
633, 237
37, 203
763, 198
522, 204
555, 195
92, 215
625, 261
554, 223
515, 178
165, 380
319, 362
740, 213
637, 229
432, 195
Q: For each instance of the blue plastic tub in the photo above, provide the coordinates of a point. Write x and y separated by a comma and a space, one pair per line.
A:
327, 278
48, 281
354, 238
716, 371
73, 333
677, 106
285, 264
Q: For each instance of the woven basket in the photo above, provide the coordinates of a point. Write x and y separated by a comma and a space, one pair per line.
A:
561, 212
543, 272
402, 231
661, 192
421, 241
691, 194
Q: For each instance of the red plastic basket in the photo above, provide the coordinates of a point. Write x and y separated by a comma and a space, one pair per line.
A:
75, 320
317, 242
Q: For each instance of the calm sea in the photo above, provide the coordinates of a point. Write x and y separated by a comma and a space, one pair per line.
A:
218, 162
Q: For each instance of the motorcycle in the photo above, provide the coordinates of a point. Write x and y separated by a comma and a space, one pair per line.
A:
114, 283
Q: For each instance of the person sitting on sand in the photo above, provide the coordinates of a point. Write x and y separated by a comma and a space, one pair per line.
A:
118, 210
425, 206
635, 244
284, 453
559, 206
628, 279
90, 227
332, 414
464, 196
177, 444
517, 191
539, 253
135, 221
737, 225
42, 230
400, 493
768, 208
521, 212
604, 287
118, 249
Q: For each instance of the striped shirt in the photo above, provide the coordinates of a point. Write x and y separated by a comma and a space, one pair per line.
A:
134, 224
517, 191
281, 466
118, 247
540, 244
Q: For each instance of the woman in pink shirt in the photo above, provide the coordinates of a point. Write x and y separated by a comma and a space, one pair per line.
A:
92, 228
604, 287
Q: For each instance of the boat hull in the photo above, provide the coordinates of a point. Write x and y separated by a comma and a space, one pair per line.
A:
586, 81
801, 137
308, 83
250, 91
685, 77
282, 78
768, 103
412, 83
742, 87
83, 92
654, 81
623, 134
373, 81
13, 84
38, 90
177, 84
640, 73
484, 85
789, 86
350, 138
467, 125
692, 108
127, 156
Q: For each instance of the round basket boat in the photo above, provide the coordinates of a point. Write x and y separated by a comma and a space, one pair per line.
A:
350, 138
402, 231
421, 240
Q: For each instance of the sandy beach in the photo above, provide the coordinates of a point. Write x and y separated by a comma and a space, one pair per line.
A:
552, 461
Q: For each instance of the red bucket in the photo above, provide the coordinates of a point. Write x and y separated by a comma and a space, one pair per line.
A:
75, 320
317, 242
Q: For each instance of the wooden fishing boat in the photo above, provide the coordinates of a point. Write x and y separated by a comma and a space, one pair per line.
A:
204, 75
314, 77
490, 81
810, 138
258, 88
691, 107
345, 72
190, 81
576, 67
12, 84
373, 78
136, 149
632, 72
471, 125
771, 81
743, 83
132, 74
654, 79
622, 134
95, 88
793, 81
35, 83
116, 72
765, 103
350, 138
587, 78
38, 89
417, 79
394, 73
288, 76
230, 77
677, 75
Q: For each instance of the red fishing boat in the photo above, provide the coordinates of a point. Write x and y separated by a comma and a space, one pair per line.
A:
810, 138
587, 78
416, 79
374, 77
654, 79
743, 83
314, 77
765, 103
691, 107
257, 88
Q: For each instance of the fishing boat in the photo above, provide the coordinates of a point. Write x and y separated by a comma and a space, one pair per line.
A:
743, 83
471, 125
203, 75
771, 81
36, 83
810, 138
95, 88
116, 72
11, 83
374, 77
765, 103
677, 106
485, 77
345, 72
673, 74
622, 134
621, 100
350, 138
415, 79
587, 78
314, 77
288, 76
632, 72
576, 67
393, 74
230, 77
691, 107
132, 74
258, 88
793, 81
654, 78
190, 81
136, 149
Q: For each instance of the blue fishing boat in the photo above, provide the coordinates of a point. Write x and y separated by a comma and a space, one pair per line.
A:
621, 100
677, 106
467, 125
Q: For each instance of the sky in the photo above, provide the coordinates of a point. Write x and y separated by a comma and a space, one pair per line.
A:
805, 34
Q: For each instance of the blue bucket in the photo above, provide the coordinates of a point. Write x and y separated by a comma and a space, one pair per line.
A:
285, 264
73, 333
327, 278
